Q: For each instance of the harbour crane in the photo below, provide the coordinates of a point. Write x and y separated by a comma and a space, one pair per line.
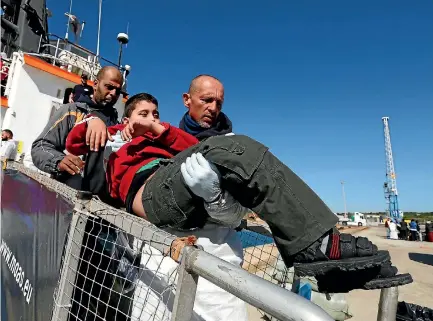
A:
390, 185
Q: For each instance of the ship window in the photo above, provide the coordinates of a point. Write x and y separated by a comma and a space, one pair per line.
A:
59, 93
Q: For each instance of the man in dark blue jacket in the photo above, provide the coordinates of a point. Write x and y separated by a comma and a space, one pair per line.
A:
309, 239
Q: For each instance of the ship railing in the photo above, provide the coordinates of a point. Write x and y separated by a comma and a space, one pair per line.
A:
66, 54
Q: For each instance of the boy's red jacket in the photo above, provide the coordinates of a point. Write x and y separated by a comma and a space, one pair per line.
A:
124, 163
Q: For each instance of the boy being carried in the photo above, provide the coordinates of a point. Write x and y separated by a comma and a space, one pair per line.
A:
165, 176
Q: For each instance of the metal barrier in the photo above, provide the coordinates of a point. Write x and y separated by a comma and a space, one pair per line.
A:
262, 260
149, 282
120, 267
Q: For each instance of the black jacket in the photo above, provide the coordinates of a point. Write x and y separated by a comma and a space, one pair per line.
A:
49, 148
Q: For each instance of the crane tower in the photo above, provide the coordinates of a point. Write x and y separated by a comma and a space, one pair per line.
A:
390, 186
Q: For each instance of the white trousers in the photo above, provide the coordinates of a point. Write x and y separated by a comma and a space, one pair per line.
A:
155, 291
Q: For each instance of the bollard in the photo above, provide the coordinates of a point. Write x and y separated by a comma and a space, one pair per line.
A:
388, 304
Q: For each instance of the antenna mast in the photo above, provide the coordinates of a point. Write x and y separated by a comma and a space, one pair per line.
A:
69, 19
99, 28
390, 185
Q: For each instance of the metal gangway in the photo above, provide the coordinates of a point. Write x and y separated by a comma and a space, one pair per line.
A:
272, 299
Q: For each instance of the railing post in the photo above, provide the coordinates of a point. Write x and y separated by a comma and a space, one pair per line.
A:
185, 290
388, 304
39, 45
55, 53
63, 296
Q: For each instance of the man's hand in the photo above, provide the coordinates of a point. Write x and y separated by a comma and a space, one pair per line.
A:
139, 128
201, 177
97, 134
71, 164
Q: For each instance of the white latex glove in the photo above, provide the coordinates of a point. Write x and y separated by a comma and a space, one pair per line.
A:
202, 177
117, 142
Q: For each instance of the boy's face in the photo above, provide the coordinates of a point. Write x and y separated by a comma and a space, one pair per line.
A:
144, 110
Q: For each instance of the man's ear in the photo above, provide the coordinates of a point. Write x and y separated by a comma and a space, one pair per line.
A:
95, 84
186, 99
125, 120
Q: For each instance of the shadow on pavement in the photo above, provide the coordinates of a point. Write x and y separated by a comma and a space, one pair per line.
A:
422, 258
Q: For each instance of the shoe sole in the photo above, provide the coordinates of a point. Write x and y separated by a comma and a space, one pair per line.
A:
389, 282
351, 264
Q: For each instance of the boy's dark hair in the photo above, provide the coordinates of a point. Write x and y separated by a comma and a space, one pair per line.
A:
132, 102
11, 135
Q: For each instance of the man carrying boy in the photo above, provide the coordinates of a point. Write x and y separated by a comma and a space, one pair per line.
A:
164, 176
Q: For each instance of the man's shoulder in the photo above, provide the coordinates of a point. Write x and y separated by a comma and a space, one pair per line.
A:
81, 106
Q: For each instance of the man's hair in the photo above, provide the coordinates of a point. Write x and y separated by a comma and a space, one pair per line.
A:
9, 132
195, 80
134, 100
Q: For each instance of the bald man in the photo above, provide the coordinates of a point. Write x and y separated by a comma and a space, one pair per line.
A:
204, 118
48, 149
204, 101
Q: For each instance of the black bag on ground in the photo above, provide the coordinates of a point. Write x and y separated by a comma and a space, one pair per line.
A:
412, 312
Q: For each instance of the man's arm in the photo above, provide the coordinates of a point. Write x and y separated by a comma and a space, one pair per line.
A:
47, 149
76, 139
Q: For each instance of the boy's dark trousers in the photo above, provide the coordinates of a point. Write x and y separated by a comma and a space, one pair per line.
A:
296, 216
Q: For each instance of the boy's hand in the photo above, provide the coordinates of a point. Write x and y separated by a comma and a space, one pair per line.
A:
138, 128
97, 134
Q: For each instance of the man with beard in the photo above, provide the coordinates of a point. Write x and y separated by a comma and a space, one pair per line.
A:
92, 298
8, 147
48, 149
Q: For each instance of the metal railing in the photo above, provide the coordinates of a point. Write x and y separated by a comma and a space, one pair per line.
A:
155, 245
62, 52
194, 263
